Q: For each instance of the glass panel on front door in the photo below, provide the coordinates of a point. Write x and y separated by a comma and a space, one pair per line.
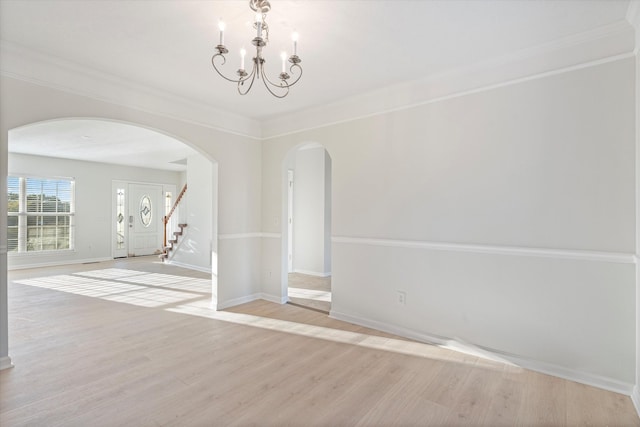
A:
120, 219
145, 210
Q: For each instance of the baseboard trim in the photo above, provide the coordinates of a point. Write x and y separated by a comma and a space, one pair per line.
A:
586, 378
190, 267
55, 263
635, 398
249, 298
312, 273
221, 305
274, 298
598, 381
385, 327
5, 363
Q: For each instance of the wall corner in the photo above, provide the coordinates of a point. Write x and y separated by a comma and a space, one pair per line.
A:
633, 17
635, 398
5, 363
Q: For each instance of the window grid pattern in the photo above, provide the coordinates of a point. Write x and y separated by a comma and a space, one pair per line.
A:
40, 214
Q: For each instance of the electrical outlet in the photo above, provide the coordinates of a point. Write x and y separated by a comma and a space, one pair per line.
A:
401, 297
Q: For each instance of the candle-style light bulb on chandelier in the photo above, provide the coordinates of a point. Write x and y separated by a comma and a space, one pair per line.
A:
245, 79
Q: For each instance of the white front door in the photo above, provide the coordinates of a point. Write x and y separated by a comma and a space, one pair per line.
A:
145, 219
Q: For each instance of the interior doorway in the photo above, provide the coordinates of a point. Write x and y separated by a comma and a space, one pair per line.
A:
308, 228
147, 165
138, 209
90, 151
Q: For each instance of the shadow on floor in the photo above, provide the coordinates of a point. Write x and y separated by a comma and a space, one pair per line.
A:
310, 292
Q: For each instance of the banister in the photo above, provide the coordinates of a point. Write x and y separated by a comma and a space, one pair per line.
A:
165, 219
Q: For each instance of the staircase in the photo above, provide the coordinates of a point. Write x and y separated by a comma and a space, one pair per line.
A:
168, 246
172, 242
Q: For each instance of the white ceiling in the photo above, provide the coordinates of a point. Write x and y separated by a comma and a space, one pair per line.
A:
348, 47
100, 141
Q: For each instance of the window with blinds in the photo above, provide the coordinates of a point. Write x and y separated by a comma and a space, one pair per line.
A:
40, 214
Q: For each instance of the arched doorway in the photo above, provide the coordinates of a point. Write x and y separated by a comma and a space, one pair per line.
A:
95, 154
307, 228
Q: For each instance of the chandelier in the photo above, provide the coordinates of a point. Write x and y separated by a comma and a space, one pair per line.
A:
245, 79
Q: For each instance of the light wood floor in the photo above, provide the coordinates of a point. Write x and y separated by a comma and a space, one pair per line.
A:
133, 343
310, 291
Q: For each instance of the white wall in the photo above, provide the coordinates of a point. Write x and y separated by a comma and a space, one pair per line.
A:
93, 235
506, 215
636, 391
195, 246
182, 213
634, 19
310, 243
5, 359
239, 172
327, 213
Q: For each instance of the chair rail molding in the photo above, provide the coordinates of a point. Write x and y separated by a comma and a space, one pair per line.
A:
614, 257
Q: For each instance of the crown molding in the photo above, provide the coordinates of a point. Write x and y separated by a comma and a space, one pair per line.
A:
610, 42
50, 71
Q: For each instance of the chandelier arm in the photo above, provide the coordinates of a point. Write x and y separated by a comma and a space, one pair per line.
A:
224, 60
299, 75
278, 89
260, 5
264, 76
268, 82
241, 82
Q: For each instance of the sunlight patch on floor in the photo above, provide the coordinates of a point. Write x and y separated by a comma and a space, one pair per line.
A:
127, 286
311, 294
192, 296
152, 297
110, 273
410, 348
171, 281
80, 285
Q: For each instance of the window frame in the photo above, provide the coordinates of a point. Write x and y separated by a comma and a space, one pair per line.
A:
24, 215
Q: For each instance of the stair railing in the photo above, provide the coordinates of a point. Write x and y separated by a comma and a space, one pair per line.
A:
166, 218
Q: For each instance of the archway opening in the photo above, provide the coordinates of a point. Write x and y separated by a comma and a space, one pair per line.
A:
307, 227
100, 157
